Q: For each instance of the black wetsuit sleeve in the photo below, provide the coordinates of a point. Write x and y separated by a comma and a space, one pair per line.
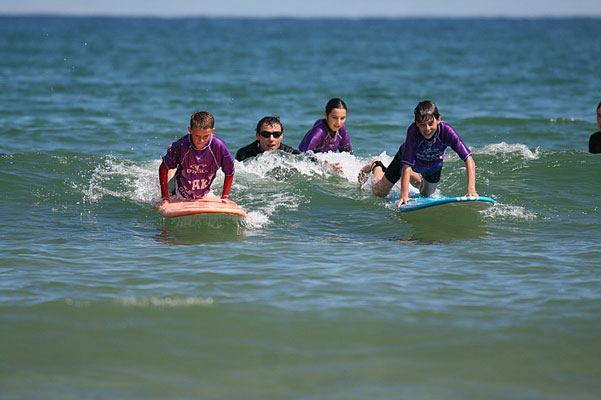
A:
594, 143
241, 154
248, 151
393, 172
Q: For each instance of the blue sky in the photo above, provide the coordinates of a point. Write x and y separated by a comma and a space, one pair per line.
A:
306, 8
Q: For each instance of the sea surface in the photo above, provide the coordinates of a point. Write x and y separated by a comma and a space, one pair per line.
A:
323, 291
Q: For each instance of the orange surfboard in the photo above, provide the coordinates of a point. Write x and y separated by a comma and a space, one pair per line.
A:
203, 206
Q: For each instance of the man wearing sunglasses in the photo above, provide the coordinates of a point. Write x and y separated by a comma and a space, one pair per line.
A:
270, 133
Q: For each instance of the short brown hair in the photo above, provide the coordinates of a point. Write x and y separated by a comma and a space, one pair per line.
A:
425, 111
202, 120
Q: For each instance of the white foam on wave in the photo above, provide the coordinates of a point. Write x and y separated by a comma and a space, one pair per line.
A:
344, 165
95, 189
255, 220
278, 166
124, 179
165, 302
508, 212
138, 182
505, 148
263, 187
261, 206
349, 164
148, 302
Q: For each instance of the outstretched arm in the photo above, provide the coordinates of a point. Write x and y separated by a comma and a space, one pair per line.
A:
471, 176
405, 179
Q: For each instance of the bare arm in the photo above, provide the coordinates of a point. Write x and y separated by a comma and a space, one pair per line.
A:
471, 176
405, 179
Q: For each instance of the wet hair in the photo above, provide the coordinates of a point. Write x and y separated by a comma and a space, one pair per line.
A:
334, 103
598, 107
272, 121
425, 111
202, 120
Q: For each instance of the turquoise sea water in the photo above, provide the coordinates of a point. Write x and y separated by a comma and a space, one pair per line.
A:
323, 291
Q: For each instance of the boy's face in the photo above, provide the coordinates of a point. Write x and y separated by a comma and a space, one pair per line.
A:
599, 118
200, 136
270, 142
428, 127
336, 118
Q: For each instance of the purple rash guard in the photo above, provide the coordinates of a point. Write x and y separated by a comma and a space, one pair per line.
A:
426, 156
196, 168
319, 140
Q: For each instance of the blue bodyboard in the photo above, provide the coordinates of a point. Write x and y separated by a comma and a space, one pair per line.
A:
473, 202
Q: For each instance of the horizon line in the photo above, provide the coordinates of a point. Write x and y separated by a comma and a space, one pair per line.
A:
300, 17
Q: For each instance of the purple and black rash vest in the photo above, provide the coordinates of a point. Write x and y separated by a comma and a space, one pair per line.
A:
319, 140
196, 168
426, 156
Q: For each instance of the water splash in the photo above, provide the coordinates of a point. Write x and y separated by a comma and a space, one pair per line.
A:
508, 212
517, 149
123, 179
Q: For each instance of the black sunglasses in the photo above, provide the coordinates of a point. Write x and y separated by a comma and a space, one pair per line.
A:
266, 134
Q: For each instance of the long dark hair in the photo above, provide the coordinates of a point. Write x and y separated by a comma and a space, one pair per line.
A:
335, 103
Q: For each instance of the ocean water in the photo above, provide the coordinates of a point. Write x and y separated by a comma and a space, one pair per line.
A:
324, 291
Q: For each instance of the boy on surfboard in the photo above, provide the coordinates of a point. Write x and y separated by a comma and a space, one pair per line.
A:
419, 159
197, 157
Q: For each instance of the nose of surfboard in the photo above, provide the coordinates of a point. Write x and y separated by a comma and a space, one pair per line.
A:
468, 202
212, 206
